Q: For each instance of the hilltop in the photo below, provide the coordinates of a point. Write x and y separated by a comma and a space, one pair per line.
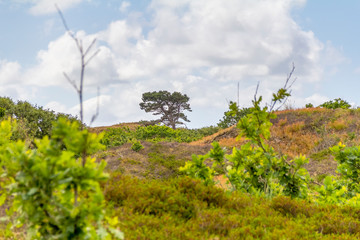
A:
309, 131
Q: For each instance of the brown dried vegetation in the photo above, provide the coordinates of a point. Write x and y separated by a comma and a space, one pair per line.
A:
309, 131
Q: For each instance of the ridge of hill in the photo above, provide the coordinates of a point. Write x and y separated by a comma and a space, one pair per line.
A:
309, 131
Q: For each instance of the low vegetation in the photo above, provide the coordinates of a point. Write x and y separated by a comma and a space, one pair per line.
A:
154, 133
263, 188
184, 208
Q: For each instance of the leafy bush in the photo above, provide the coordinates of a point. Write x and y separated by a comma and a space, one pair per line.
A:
136, 146
309, 105
55, 192
336, 103
154, 133
2, 112
36, 121
233, 115
116, 137
184, 208
256, 167
344, 189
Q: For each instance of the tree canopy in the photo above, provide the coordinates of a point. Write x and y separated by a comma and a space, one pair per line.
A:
169, 105
33, 120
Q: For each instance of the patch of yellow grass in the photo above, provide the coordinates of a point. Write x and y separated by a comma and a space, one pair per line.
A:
338, 124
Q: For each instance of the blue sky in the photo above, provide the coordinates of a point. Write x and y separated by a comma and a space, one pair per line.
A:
199, 47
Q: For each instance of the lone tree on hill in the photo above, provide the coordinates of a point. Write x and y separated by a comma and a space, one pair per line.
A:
169, 105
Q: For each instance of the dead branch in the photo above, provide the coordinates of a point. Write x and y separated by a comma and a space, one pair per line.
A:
84, 61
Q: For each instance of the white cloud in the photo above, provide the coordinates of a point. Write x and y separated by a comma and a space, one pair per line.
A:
41, 7
57, 107
9, 72
199, 47
124, 6
62, 56
11, 83
315, 99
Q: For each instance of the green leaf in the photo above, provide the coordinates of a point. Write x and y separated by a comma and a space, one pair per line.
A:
32, 191
3, 198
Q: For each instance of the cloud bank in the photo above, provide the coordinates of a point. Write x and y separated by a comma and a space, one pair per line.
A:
200, 47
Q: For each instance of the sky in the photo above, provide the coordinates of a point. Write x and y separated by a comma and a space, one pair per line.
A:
201, 48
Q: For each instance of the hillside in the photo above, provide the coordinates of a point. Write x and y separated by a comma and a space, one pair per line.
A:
151, 199
303, 131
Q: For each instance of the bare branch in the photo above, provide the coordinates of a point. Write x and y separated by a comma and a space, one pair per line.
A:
289, 77
95, 53
282, 104
90, 46
286, 87
94, 117
62, 18
72, 82
257, 88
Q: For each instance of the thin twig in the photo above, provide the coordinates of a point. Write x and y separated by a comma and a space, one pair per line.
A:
257, 88
93, 118
72, 82
90, 46
286, 87
95, 53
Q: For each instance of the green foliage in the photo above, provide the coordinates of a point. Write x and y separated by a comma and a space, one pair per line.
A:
169, 105
158, 133
199, 170
154, 133
233, 115
136, 146
35, 121
116, 137
2, 112
344, 189
309, 105
55, 187
256, 168
336, 103
184, 208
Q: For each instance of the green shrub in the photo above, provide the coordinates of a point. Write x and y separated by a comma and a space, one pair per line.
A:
255, 167
184, 208
154, 133
336, 103
2, 112
116, 137
291, 207
54, 187
149, 197
233, 115
309, 105
37, 122
136, 146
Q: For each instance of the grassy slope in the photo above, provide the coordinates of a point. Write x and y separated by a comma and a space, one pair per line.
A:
158, 208
305, 131
152, 204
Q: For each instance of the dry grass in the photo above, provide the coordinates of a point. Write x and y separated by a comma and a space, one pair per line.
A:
131, 126
156, 160
308, 131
